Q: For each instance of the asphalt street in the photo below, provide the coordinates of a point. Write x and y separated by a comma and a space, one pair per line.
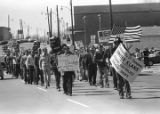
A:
16, 97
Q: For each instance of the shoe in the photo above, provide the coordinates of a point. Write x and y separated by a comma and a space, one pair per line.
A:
64, 93
90, 84
107, 86
49, 84
121, 97
70, 94
95, 85
42, 84
115, 88
102, 87
58, 89
129, 97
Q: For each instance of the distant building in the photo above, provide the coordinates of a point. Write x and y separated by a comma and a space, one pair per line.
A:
5, 34
90, 19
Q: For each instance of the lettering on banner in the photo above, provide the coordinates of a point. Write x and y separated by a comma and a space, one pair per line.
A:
68, 63
131, 65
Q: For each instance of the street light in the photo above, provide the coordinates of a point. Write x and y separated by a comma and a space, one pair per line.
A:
84, 27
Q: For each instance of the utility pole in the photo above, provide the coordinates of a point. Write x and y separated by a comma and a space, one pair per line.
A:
37, 30
58, 27
73, 40
21, 28
85, 31
49, 28
44, 35
9, 22
51, 22
111, 14
28, 30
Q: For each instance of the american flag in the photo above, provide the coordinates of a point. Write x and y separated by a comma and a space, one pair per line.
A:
127, 34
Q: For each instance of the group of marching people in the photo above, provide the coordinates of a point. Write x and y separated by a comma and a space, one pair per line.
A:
36, 66
93, 60
28, 65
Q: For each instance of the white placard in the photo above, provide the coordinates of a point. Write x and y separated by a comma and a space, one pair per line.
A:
126, 65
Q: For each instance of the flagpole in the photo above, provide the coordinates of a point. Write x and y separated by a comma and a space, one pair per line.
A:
111, 14
73, 40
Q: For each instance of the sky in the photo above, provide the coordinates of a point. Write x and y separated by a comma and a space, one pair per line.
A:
32, 12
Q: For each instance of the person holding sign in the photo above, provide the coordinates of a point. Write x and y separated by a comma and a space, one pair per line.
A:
122, 82
68, 75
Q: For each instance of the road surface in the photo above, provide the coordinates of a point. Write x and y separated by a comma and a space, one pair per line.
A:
19, 98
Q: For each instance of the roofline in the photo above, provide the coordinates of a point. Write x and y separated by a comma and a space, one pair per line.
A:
141, 7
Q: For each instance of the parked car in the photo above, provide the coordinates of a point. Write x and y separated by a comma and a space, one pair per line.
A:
154, 58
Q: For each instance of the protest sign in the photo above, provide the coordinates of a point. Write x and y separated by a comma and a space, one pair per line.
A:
68, 63
126, 65
104, 35
79, 44
93, 39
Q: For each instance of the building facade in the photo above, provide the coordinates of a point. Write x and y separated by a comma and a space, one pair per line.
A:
5, 34
90, 19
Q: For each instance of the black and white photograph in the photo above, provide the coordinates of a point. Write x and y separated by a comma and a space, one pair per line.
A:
79, 56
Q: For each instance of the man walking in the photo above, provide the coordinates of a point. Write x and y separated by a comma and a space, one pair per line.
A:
30, 67
38, 71
44, 65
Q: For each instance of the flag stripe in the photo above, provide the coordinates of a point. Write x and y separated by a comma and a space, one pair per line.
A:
133, 30
134, 27
129, 34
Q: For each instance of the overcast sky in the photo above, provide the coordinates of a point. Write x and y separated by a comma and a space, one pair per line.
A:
32, 12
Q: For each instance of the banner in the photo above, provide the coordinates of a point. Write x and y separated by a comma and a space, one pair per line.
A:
126, 65
104, 35
68, 63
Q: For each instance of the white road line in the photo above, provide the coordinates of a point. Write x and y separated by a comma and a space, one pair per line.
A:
42, 89
78, 103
